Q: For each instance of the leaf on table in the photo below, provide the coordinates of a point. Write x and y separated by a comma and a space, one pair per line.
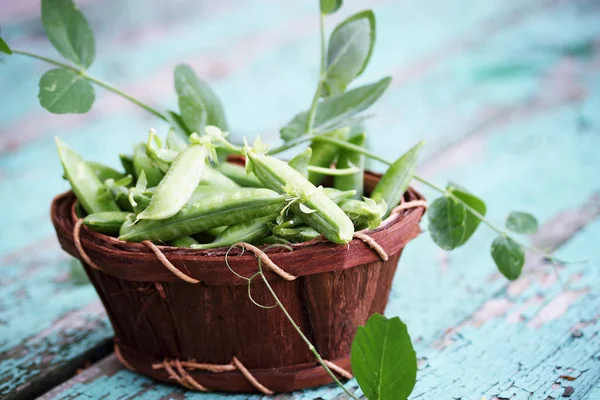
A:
447, 222
330, 6
65, 92
198, 104
4, 47
521, 222
337, 108
472, 222
383, 359
349, 51
508, 256
68, 31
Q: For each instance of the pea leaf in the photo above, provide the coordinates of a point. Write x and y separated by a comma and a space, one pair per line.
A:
447, 222
349, 51
4, 47
521, 222
198, 104
330, 6
337, 108
472, 222
383, 359
508, 256
69, 31
65, 92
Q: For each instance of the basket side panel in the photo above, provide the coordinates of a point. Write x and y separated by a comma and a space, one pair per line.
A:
338, 302
384, 284
210, 324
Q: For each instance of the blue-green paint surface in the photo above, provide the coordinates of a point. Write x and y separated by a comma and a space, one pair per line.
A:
507, 95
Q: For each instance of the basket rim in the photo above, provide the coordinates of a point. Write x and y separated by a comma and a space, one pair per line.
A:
138, 263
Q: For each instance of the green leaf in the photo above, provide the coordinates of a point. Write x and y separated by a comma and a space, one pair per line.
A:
521, 222
395, 181
65, 92
472, 222
69, 31
337, 108
198, 104
330, 6
508, 256
349, 51
447, 222
383, 359
4, 47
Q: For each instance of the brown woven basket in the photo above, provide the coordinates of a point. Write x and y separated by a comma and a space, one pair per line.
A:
159, 319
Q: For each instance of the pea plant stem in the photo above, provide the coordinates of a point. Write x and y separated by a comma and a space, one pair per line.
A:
333, 171
362, 150
95, 80
311, 347
310, 119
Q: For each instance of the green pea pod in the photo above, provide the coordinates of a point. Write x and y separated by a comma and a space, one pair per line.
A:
139, 201
178, 185
311, 204
272, 239
219, 210
395, 181
143, 198
120, 191
238, 174
104, 172
214, 177
248, 231
365, 214
324, 154
127, 163
337, 195
186, 241
204, 191
301, 161
216, 231
296, 235
347, 159
88, 189
141, 162
108, 222
128, 225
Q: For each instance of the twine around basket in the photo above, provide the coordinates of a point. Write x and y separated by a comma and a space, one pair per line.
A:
177, 369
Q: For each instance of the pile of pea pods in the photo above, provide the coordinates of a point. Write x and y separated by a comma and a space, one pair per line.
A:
177, 193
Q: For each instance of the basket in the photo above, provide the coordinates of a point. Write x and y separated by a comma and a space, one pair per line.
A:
210, 336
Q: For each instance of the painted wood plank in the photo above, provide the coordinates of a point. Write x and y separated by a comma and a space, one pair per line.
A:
24, 177
108, 378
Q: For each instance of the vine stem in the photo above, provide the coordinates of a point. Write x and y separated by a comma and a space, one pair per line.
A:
435, 187
310, 119
97, 81
311, 347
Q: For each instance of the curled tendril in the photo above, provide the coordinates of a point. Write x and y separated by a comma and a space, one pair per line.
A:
250, 292
259, 273
229, 266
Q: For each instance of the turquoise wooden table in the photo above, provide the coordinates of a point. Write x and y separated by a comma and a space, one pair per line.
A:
506, 93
